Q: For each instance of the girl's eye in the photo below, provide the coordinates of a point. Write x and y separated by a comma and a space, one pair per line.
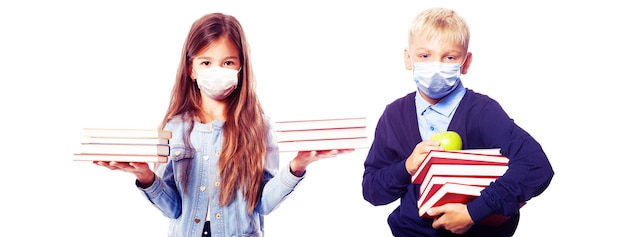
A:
229, 63
205, 63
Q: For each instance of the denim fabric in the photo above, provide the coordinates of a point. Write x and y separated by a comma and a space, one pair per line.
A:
187, 206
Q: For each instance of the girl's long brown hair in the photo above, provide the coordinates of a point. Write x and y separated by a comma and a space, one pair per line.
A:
241, 162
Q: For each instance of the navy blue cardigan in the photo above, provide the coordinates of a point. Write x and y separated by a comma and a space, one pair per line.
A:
482, 123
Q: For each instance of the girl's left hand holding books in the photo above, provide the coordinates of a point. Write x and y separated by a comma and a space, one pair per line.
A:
304, 158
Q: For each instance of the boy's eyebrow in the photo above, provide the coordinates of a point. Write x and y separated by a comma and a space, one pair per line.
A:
446, 52
455, 51
421, 49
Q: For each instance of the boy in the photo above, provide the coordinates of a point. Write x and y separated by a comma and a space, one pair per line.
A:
438, 54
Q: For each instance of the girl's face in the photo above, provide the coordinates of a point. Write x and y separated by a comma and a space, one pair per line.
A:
220, 53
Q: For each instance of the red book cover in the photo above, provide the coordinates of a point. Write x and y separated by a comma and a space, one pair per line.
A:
121, 158
476, 171
426, 196
310, 124
458, 193
321, 134
437, 181
478, 157
461, 179
327, 144
449, 193
494, 220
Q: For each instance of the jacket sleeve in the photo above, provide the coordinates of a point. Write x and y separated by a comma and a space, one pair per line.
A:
163, 193
279, 183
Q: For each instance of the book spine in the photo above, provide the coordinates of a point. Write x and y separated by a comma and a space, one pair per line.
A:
321, 134
320, 124
318, 145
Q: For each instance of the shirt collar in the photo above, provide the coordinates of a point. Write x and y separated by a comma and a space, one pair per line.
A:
445, 106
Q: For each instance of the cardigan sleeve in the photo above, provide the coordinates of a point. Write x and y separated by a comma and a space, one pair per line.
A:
385, 178
529, 172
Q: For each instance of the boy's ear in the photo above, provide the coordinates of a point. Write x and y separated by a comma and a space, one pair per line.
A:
408, 64
466, 65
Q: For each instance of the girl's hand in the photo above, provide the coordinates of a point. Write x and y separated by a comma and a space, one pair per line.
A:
141, 170
304, 158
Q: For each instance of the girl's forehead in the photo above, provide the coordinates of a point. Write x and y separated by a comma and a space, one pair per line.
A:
219, 49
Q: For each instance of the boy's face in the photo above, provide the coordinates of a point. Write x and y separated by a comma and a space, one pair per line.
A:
422, 50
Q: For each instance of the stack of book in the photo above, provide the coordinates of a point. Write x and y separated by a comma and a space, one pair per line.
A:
124, 145
321, 134
458, 177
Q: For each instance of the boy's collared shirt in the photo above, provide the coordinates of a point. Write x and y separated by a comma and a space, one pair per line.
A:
435, 118
385, 178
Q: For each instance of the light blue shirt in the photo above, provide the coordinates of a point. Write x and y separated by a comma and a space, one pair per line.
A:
187, 206
435, 118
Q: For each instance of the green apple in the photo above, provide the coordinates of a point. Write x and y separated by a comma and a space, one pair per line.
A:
449, 140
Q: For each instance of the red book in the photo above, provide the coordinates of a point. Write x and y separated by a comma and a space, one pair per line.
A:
321, 134
427, 190
458, 193
329, 123
484, 180
127, 133
449, 193
124, 149
324, 144
121, 158
464, 170
124, 145
481, 157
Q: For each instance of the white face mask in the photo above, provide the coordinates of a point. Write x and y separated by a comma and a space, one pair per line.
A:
217, 82
436, 79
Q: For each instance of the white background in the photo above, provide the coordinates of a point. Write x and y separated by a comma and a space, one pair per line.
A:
556, 68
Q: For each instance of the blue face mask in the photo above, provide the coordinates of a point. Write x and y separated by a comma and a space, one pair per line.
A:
436, 79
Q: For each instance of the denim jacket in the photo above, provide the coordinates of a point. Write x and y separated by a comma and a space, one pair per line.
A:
187, 206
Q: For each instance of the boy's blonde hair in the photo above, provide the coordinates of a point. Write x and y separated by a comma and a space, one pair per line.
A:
440, 24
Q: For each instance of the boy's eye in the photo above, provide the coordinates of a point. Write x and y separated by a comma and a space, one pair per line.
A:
450, 58
422, 56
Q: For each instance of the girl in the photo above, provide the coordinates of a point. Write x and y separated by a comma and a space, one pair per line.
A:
222, 175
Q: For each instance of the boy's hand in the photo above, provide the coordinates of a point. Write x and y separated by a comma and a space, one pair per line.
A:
419, 153
453, 217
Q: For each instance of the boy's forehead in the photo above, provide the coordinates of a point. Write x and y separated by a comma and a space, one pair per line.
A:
435, 43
